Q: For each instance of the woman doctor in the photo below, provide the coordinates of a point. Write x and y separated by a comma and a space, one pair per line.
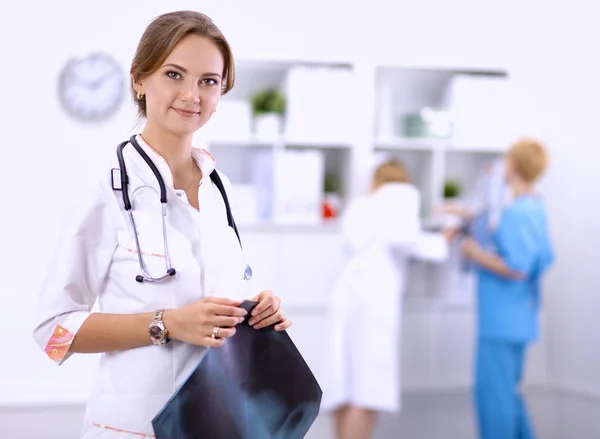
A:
382, 230
152, 334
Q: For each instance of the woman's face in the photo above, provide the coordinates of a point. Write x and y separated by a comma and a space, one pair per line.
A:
183, 93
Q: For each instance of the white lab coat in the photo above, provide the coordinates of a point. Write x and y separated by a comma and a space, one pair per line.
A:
96, 259
383, 232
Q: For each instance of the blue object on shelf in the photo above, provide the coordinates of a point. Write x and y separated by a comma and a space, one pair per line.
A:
479, 229
257, 386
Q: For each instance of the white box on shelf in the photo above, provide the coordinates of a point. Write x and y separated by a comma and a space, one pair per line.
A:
481, 113
318, 105
267, 127
262, 166
298, 186
244, 202
231, 122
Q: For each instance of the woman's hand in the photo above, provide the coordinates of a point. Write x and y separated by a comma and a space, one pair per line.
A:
470, 249
195, 323
457, 210
451, 233
268, 312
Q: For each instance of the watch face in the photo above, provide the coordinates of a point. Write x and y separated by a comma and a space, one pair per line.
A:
92, 88
156, 333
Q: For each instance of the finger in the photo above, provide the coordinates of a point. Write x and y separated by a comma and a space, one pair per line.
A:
226, 322
269, 311
266, 299
221, 301
224, 333
210, 342
269, 308
283, 325
271, 320
263, 315
226, 310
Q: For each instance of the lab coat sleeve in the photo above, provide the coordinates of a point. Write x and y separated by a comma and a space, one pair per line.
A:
74, 277
400, 225
516, 242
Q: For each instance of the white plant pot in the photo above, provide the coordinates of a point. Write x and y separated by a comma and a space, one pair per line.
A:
268, 126
448, 219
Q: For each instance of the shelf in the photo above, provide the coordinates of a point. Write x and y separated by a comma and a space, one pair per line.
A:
421, 68
252, 142
331, 226
244, 64
410, 144
434, 144
317, 144
478, 148
241, 143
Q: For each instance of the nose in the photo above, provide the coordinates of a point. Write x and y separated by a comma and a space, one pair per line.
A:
191, 94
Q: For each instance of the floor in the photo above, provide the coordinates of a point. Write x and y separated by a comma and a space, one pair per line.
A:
445, 416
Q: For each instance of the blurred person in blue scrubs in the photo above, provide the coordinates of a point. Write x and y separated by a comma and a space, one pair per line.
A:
508, 295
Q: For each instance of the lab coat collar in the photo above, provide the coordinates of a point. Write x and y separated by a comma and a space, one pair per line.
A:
204, 160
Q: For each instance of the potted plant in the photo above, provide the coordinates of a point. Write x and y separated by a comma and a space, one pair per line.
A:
451, 207
268, 108
332, 196
452, 190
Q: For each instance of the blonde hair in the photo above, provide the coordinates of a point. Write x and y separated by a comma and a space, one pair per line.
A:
529, 158
392, 171
163, 34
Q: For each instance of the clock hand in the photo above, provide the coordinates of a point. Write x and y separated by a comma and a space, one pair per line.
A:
75, 80
98, 82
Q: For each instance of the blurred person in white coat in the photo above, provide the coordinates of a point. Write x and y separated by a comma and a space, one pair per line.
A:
383, 232
152, 332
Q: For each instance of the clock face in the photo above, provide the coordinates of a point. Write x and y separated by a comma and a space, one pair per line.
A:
92, 88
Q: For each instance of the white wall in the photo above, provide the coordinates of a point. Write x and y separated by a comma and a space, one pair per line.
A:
550, 55
560, 76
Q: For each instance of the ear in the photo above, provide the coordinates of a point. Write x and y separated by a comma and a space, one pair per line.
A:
137, 86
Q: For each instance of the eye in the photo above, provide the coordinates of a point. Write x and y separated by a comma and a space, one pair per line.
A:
173, 75
210, 81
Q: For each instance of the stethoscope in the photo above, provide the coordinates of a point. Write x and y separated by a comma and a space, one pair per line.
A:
124, 180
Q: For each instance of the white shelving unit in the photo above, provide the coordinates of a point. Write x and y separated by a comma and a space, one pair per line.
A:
237, 149
379, 98
401, 91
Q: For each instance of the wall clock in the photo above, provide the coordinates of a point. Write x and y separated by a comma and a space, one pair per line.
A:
92, 88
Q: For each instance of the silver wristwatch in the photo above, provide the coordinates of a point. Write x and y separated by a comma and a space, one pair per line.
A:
157, 331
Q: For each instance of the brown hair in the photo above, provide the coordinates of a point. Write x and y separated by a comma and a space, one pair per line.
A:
163, 34
529, 158
392, 171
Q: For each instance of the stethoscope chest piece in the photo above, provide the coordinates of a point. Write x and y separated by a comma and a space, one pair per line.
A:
248, 272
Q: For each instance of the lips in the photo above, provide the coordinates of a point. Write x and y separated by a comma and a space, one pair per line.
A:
186, 113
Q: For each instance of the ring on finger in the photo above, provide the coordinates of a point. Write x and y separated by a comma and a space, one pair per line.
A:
215, 333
